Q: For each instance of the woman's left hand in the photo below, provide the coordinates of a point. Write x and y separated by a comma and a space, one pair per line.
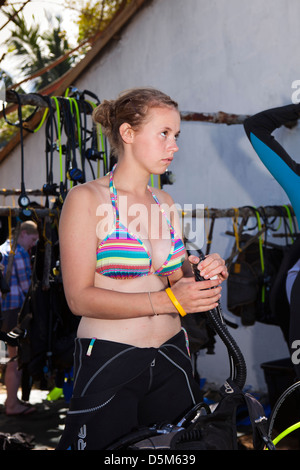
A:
212, 265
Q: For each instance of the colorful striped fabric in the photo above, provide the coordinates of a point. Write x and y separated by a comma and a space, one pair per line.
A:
121, 255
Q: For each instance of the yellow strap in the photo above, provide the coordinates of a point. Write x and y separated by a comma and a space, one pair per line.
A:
175, 302
290, 220
235, 227
42, 121
44, 234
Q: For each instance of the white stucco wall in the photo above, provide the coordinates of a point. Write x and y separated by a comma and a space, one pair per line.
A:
209, 55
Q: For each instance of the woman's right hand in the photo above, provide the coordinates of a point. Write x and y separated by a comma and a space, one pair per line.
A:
197, 296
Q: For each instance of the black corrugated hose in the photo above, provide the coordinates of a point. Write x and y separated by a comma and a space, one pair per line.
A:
237, 361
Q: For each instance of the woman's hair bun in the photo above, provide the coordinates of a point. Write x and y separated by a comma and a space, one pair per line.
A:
104, 114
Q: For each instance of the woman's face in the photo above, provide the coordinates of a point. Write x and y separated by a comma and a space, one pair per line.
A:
155, 143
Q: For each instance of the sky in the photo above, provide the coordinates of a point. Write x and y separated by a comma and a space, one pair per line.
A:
36, 8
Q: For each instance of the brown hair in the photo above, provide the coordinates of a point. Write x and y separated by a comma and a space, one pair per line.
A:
132, 107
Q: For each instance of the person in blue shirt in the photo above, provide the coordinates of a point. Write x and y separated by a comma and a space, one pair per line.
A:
11, 304
286, 171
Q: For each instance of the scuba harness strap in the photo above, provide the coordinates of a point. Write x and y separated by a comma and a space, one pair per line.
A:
74, 174
62, 187
23, 199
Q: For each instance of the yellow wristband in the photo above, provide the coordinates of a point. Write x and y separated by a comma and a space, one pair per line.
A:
175, 302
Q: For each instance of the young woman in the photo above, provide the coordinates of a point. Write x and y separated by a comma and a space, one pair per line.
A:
127, 276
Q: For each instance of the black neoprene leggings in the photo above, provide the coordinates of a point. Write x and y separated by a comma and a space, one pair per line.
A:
119, 387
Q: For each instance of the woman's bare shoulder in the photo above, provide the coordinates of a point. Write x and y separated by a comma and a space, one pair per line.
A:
163, 196
93, 191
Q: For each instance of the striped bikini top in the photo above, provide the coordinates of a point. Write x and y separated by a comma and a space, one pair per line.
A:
122, 255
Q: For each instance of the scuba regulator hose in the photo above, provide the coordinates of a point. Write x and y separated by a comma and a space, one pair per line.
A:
237, 361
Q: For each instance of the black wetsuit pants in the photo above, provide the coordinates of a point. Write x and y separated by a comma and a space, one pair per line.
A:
118, 388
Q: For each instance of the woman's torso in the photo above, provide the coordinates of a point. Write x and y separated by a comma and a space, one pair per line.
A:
145, 331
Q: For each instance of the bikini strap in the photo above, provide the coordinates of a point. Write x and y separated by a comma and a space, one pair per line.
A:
114, 200
162, 211
113, 192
